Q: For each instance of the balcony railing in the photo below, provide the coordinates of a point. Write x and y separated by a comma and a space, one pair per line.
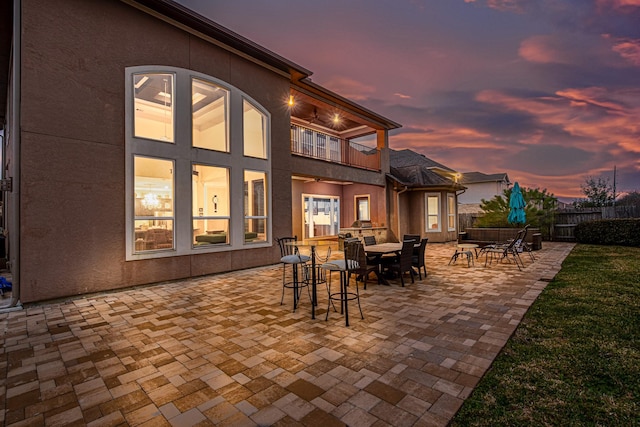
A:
310, 143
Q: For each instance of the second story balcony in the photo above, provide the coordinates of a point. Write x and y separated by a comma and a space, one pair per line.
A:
322, 146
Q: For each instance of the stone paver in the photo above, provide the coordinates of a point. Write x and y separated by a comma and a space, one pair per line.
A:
221, 350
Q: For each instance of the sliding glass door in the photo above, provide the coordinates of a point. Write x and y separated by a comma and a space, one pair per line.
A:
321, 216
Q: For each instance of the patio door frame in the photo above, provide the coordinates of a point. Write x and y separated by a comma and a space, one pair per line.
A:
307, 214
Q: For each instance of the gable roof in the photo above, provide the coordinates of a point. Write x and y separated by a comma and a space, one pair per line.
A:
477, 177
406, 157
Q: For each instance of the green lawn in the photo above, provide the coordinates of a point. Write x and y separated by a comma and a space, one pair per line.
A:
575, 358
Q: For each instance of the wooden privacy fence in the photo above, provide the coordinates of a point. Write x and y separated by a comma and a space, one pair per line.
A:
468, 220
566, 219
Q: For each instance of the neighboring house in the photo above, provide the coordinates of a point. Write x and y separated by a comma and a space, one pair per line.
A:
425, 202
480, 187
145, 143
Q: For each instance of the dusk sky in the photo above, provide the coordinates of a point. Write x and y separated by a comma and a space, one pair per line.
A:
545, 90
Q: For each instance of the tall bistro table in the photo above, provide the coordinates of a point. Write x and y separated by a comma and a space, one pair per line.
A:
312, 244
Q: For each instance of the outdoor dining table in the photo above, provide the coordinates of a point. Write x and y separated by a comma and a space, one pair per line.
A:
312, 244
379, 250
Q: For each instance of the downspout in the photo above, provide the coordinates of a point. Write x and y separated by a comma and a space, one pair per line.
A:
14, 226
398, 205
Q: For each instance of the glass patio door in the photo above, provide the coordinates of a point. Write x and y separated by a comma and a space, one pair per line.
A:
321, 216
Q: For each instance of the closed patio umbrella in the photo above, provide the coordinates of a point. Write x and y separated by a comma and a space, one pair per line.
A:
516, 205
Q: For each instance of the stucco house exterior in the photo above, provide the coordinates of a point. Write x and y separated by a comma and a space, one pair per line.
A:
145, 143
425, 202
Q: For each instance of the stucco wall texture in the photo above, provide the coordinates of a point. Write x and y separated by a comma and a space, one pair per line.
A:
73, 144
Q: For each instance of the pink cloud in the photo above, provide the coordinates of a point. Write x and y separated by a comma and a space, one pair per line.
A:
507, 5
349, 88
629, 49
598, 115
568, 49
504, 5
591, 96
542, 49
402, 96
618, 4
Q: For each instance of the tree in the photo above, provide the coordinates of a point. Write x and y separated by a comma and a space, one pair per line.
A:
629, 199
598, 192
540, 210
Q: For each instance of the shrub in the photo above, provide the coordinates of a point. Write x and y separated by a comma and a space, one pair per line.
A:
624, 232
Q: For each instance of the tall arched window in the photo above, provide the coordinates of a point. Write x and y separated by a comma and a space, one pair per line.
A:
189, 141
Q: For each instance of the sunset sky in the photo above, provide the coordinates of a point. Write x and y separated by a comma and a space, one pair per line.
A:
547, 90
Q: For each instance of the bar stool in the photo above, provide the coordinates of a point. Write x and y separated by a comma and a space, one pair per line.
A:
321, 274
347, 266
290, 255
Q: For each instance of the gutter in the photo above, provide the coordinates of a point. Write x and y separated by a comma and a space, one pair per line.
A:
14, 221
406, 188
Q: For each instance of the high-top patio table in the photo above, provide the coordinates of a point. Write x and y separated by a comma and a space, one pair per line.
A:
379, 250
312, 244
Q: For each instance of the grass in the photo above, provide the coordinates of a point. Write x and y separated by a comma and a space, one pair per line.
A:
575, 358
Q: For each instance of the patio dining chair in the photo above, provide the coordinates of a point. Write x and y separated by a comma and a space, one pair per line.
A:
366, 266
369, 240
291, 256
371, 260
417, 258
402, 264
414, 237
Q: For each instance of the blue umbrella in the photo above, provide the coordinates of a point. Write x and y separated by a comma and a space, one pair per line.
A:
516, 204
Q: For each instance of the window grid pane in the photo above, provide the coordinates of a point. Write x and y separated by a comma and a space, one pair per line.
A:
153, 204
433, 213
255, 206
211, 205
451, 211
254, 131
209, 116
153, 106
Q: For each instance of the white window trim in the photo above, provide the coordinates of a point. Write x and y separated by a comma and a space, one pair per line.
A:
184, 155
451, 214
426, 213
319, 196
356, 207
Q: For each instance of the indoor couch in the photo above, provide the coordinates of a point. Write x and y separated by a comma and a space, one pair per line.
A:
219, 236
